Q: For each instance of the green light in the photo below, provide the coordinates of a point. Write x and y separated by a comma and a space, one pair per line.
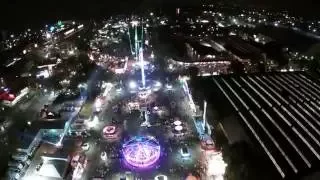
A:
60, 24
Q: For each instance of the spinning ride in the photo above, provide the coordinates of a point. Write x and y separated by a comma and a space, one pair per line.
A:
141, 151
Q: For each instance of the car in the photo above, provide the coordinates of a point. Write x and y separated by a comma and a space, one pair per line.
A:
20, 157
103, 156
14, 175
74, 134
14, 169
85, 146
27, 162
15, 164
185, 152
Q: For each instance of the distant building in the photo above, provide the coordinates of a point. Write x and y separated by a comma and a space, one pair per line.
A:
243, 50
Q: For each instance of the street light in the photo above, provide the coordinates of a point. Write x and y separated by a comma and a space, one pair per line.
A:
132, 85
58, 144
48, 35
158, 84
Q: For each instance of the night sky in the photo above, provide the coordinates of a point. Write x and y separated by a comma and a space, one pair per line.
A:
15, 13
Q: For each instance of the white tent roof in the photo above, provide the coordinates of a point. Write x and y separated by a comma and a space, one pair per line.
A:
49, 170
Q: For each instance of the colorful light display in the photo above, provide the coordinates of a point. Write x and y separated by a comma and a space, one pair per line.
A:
110, 132
141, 151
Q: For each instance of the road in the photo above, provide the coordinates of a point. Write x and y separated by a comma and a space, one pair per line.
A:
171, 163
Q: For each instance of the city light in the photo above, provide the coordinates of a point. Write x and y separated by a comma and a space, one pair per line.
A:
156, 108
52, 28
71, 52
45, 74
158, 84
169, 86
119, 90
144, 94
48, 35
91, 57
134, 23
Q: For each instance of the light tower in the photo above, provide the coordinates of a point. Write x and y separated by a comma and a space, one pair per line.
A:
136, 42
143, 79
139, 50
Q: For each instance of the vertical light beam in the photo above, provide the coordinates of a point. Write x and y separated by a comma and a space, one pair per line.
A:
136, 42
142, 68
204, 114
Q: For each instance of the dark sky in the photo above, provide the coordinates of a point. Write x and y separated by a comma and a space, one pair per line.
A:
20, 12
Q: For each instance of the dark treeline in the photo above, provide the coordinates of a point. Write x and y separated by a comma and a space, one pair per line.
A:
19, 13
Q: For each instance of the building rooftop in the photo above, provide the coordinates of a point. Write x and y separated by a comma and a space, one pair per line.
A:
280, 112
27, 139
53, 169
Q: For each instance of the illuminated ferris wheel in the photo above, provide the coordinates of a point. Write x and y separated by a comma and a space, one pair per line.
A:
141, 151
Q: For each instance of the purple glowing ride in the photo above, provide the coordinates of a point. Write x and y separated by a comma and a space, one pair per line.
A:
141, 151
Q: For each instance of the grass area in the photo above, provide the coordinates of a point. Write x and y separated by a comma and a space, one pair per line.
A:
86, 110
